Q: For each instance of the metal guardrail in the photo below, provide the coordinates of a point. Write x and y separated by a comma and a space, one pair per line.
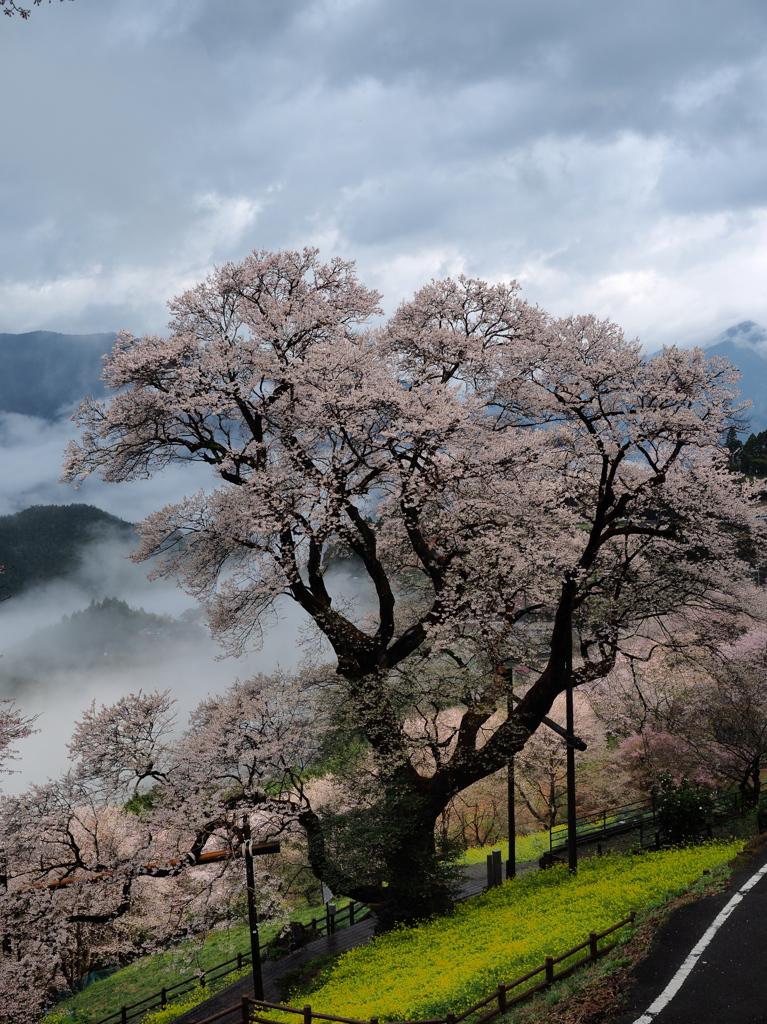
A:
641, 817
611, 821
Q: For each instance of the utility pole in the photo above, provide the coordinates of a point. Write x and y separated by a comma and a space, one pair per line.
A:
511, 863
248, 851
572, 838
572, 743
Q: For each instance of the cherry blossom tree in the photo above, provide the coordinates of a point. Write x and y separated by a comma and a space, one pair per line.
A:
109, 861
703, 717
10, 7
508, 482
733, 711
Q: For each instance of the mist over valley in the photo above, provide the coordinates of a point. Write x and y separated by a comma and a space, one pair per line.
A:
81, 622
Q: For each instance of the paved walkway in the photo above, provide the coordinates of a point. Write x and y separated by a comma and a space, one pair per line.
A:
328, 945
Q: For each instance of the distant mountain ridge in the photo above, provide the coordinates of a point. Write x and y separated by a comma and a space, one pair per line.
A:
746, 334
745, 346
46, 374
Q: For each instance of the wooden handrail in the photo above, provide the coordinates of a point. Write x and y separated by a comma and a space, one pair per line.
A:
159, 999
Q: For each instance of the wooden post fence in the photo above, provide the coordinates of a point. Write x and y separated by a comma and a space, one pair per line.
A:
499, 996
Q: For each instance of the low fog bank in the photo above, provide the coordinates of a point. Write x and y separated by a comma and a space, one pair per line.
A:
55, 669
31, 454
188, 669
30, 464
104, 570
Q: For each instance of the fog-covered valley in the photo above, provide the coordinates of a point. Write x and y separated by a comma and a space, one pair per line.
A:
103, 631
78, 620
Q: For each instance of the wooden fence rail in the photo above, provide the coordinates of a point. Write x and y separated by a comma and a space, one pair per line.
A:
498, 999
326, 925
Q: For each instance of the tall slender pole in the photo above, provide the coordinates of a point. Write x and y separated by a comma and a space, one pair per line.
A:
511, 863
250, 879
572, 838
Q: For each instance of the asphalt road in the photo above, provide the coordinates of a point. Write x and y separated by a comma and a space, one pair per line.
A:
728, 982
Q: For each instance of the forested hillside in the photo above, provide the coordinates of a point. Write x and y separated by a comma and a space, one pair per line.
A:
750, 456
45, 542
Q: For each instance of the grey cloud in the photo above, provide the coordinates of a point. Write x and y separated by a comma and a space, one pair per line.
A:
716, 178
557, 142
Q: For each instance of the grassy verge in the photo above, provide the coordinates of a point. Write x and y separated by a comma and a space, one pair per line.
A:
450, 962
68, 1014
147, 976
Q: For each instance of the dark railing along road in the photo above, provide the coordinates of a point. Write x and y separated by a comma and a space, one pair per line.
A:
638, 817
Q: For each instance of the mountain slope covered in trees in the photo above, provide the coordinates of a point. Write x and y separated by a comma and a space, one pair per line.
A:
45, 542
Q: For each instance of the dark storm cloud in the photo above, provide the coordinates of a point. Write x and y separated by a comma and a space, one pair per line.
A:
611, 156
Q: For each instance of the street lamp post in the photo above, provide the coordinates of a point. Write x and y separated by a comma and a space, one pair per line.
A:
250, 880
572, 743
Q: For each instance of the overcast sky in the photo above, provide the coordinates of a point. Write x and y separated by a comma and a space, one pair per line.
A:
611, 156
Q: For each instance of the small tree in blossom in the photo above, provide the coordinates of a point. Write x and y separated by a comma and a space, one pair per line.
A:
732, 713
100, 864
506, 480
703, 718
14, 726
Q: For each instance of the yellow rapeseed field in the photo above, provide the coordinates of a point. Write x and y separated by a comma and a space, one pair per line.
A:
451, 962
527, 848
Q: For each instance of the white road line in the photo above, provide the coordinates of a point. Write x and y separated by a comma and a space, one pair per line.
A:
683, 973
